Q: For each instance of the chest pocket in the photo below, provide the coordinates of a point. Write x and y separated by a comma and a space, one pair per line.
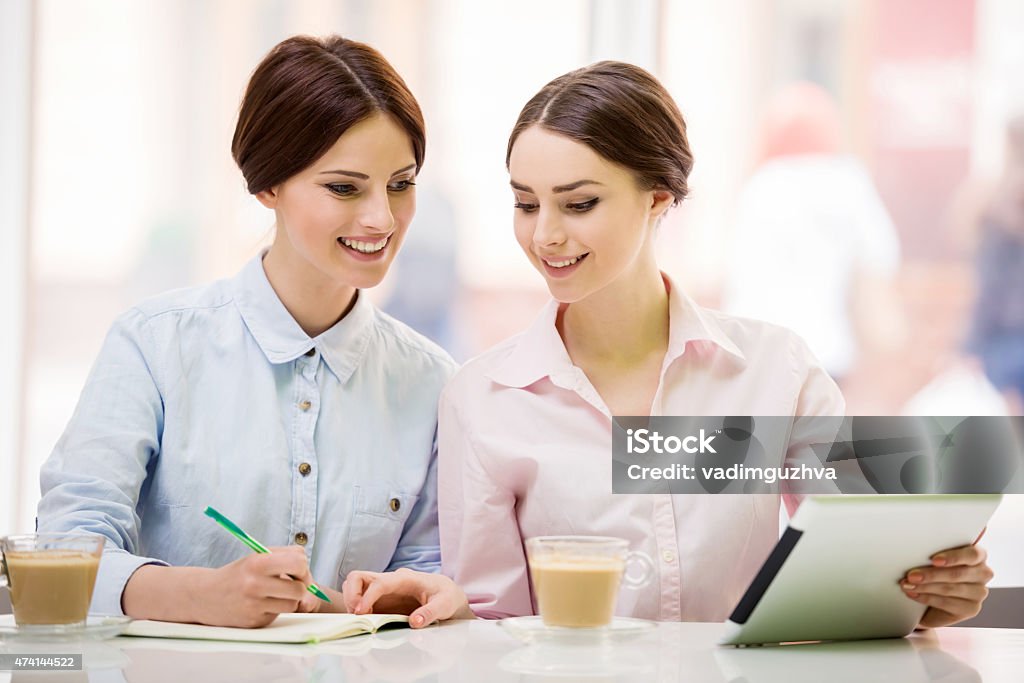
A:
378, 518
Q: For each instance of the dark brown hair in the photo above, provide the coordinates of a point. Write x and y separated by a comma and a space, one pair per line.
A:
304, 95
621, 112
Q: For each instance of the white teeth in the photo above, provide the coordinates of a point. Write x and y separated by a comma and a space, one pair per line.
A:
365, 247
563, 264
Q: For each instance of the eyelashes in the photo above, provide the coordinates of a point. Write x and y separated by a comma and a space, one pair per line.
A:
349, 190
400, 186
582, 207
341, 189
575, 207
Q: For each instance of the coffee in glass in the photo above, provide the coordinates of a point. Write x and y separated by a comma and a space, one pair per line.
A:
51, 578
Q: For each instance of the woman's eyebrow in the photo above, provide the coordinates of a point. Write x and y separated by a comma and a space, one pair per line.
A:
363, 176
572, 186
354, 174
403, 170
557, 188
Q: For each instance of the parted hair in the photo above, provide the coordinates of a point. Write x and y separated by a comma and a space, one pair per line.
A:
304, 95
621, 112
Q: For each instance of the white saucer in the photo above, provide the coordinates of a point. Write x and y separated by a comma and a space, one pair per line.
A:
532, 630
96, 627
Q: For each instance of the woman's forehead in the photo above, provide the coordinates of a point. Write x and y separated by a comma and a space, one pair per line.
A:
543, 160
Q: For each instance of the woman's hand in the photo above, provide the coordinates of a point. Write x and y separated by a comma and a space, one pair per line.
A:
426, 598
249, 592
252, 591
953, 586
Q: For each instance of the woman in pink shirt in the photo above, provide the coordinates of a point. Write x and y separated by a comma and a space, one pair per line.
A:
596, 159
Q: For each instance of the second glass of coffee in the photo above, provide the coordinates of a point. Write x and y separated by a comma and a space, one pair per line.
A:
576, 579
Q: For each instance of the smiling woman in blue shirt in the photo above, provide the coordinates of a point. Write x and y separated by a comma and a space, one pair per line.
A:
281, 396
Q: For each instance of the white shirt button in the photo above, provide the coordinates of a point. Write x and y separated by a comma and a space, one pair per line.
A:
668, 556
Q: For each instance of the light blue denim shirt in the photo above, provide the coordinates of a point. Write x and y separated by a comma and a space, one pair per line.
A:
215, 396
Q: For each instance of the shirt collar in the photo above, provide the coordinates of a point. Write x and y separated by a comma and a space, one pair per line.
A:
280, 337
539, 352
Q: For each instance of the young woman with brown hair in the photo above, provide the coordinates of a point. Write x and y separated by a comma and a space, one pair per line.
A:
280, 396
596, 159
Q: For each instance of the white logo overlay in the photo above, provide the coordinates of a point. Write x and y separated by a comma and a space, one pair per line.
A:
747, 454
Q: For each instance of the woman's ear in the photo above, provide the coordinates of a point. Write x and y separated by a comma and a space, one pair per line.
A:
661, 200
268, 198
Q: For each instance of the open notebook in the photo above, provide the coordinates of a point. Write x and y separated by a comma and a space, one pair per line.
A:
287, 628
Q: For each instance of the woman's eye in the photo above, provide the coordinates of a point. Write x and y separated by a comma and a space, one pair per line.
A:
526, 208
581, 207
400, 185
341, 189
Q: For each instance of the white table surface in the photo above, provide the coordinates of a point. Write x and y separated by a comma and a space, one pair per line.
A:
472, 651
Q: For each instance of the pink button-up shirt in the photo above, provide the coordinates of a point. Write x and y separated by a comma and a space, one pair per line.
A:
525, 450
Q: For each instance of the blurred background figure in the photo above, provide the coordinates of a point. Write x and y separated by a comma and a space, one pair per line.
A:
997, 330
813, 247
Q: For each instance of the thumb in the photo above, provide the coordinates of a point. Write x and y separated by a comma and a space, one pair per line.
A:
422, 616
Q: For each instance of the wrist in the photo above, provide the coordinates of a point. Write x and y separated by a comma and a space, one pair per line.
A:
197, 594
168, 593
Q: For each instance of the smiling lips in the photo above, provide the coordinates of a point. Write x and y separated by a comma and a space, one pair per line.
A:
562, 267
564, 263
364, 247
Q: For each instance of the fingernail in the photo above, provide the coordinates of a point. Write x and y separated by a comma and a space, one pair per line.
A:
417, 620
912, 594
909, 586
359, 607
939, 561
915, 577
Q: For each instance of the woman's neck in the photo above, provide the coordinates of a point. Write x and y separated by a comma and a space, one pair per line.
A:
621, 325
313, 300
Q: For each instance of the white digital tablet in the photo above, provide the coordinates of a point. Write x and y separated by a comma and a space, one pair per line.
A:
835, 572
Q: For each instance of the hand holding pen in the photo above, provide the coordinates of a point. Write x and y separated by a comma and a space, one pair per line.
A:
258, 587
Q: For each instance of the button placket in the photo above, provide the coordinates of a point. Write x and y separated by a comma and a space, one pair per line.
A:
666, 540
303, 456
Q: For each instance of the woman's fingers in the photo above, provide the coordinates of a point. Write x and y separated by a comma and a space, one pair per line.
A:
425, 597
289, 560
965, 591
441, 605
967, 555
387, 583
953, 587
423, 616
978, 573
353, 587
278, 605
309, 603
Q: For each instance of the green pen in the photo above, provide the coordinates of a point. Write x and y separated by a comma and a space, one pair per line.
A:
253, 544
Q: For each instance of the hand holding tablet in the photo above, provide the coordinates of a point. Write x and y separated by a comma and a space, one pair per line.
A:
953, 586
838, 570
